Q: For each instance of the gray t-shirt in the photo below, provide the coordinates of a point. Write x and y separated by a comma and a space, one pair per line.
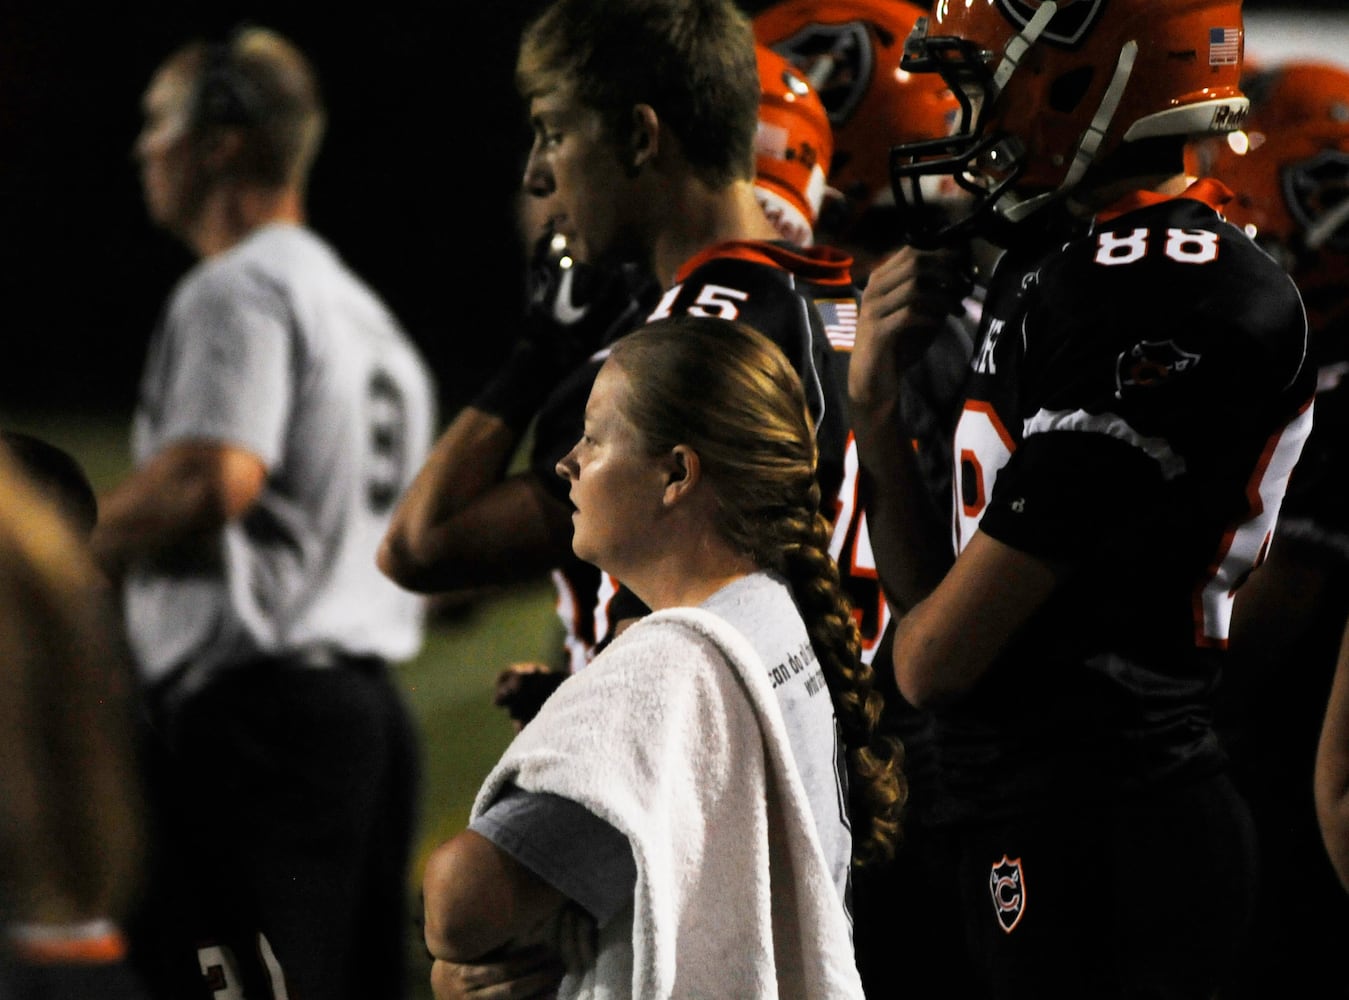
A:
276, 347
589, 861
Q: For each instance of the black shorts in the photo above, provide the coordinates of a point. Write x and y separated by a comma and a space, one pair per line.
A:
284, 799
1148, 896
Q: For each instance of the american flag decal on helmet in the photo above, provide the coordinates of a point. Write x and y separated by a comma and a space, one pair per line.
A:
1224, 46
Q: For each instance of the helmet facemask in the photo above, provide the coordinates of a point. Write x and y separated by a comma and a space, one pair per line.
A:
983, 164
986, 162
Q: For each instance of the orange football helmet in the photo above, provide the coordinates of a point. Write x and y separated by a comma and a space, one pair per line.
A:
1290, 174
850, 50
792, 148
1047, 90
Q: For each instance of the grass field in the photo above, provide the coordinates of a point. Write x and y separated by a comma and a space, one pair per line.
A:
448, 687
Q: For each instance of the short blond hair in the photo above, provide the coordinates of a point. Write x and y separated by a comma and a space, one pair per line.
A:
262, 84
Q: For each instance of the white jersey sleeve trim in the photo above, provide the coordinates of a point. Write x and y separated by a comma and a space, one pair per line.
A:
1112, 425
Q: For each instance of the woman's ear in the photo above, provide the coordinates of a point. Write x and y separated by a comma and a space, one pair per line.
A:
684, 472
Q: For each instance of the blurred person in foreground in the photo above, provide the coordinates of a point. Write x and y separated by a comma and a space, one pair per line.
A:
73, 845
281, 413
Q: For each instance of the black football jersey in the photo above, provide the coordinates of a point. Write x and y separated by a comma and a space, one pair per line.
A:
1137, 399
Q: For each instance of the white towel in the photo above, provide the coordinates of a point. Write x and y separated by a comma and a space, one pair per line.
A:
674, 736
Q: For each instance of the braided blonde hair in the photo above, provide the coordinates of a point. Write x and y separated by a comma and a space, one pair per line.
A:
730, 394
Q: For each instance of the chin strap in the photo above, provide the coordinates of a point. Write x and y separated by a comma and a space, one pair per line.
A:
1020, 44
1091, 138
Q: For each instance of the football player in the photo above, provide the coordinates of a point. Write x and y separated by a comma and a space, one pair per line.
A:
851, 51
1289, 170
482, 525
575, 308
1138, 397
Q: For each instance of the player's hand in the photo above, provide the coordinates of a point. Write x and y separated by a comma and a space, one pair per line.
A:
906, 304
573, 311
528, 973
522, 688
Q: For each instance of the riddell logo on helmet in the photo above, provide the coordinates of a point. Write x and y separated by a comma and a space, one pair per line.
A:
1071, 21
1229, 117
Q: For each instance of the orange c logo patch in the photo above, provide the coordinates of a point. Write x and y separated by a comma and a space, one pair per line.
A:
1007, 885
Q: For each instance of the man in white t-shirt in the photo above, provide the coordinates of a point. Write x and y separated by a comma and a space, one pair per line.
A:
281, 413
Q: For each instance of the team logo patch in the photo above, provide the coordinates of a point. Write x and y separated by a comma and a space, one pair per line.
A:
1149, 363
838, 59
1007, 884
1315, 191
1070, 23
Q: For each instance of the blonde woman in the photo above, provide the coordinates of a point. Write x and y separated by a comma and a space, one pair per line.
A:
682, 816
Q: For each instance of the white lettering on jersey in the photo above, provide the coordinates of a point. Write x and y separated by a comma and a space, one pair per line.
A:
983, 360
1191, 246
663, 307
220, 972
607, 589
850, 545
579, 646
1185, 246
1121, 248
716, 301
1244, 545
982, 447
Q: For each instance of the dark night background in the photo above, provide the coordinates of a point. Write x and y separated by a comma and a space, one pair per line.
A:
413, 185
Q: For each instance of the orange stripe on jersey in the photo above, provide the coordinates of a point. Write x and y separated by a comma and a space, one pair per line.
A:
986, 408
1239, 554
104, 948
820, 265
1207, 190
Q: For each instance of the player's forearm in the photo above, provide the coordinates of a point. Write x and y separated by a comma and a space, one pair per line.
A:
514, 531
896, 324
470, 457
1333, 815
174, 502
910, 548
1332, 769
947, 642
69, 794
